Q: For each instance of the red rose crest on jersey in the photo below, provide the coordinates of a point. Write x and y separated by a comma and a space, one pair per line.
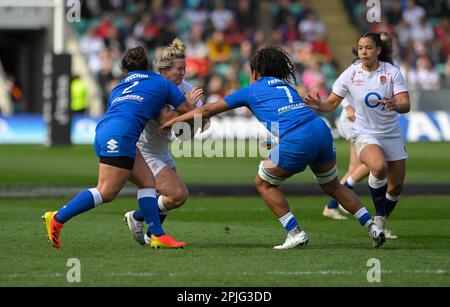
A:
383, 80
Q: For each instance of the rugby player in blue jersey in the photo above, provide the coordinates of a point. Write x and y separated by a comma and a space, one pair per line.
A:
138, 98
304, 139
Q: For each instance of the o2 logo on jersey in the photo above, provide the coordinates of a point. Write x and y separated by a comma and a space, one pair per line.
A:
370, 100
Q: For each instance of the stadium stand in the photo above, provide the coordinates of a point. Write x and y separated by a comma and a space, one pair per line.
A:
220, 37
422, 40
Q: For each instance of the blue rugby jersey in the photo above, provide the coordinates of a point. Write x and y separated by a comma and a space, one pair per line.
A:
141, 96
272, 100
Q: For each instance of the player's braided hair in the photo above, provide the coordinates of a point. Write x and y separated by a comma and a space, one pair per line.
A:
273, 62
135, 59
386, 46
174, 51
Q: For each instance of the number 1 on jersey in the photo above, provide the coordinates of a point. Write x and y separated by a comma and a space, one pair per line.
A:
288, 93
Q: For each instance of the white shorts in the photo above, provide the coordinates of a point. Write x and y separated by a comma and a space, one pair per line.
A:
345, 129
157, 162
394, 148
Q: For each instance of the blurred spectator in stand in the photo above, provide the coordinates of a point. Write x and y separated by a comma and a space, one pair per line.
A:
245, 16
321, 48
15, 94
147, 31
422, 32
79, 96
91, 45
221, 16
413, 13
289, 30
424, 77
383, 26
197, 59
314, 80
105, 27
219, 49
311, 28
446, 71
198, 15
215, 89
105, 76
264, 19
394, 13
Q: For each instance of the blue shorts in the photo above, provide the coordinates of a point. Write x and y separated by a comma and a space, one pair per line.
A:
116, 137
309, 143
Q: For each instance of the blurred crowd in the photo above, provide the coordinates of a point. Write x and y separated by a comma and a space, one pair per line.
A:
220, 36
421, 31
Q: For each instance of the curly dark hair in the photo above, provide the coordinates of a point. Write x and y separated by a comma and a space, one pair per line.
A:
135, 59
273, 62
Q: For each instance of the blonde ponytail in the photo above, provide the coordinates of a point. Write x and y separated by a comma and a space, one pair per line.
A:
174, 51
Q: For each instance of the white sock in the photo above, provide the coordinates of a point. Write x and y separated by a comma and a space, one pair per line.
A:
162, 210
351, 182
98, 200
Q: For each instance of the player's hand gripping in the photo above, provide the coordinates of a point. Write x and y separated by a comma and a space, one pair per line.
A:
388, 103
313, 102
194, 95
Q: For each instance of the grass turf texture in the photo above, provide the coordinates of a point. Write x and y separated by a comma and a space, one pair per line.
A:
35, 164
230, 244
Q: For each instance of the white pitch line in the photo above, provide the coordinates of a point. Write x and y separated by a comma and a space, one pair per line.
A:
282, 273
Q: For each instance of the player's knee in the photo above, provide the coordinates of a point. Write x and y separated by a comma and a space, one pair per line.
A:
260, 184
379, 170
264, 179
179, 196
108, 195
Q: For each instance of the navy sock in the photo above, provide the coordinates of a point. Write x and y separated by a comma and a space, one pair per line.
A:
379, 199
84, 201
148, 206
391, 202
137, 215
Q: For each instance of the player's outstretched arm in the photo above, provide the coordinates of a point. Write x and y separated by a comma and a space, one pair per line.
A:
328, 105
206, 111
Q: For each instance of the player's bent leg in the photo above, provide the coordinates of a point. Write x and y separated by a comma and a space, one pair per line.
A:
395, 178
373, 157
111, 181
172, 189
267, 181
326, 177
148, 205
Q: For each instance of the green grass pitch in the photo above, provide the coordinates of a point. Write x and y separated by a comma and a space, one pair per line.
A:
230, 244
36, 164
230, 239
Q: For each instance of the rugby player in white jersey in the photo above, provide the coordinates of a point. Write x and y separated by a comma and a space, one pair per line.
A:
379, 93
155, 147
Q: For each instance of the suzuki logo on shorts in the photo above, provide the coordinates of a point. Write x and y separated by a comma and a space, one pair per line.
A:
112, 146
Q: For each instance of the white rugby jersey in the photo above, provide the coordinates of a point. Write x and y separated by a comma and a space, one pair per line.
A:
150, 140
365, 89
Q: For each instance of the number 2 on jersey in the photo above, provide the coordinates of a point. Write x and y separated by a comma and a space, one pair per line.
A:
127, 90
288, 93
